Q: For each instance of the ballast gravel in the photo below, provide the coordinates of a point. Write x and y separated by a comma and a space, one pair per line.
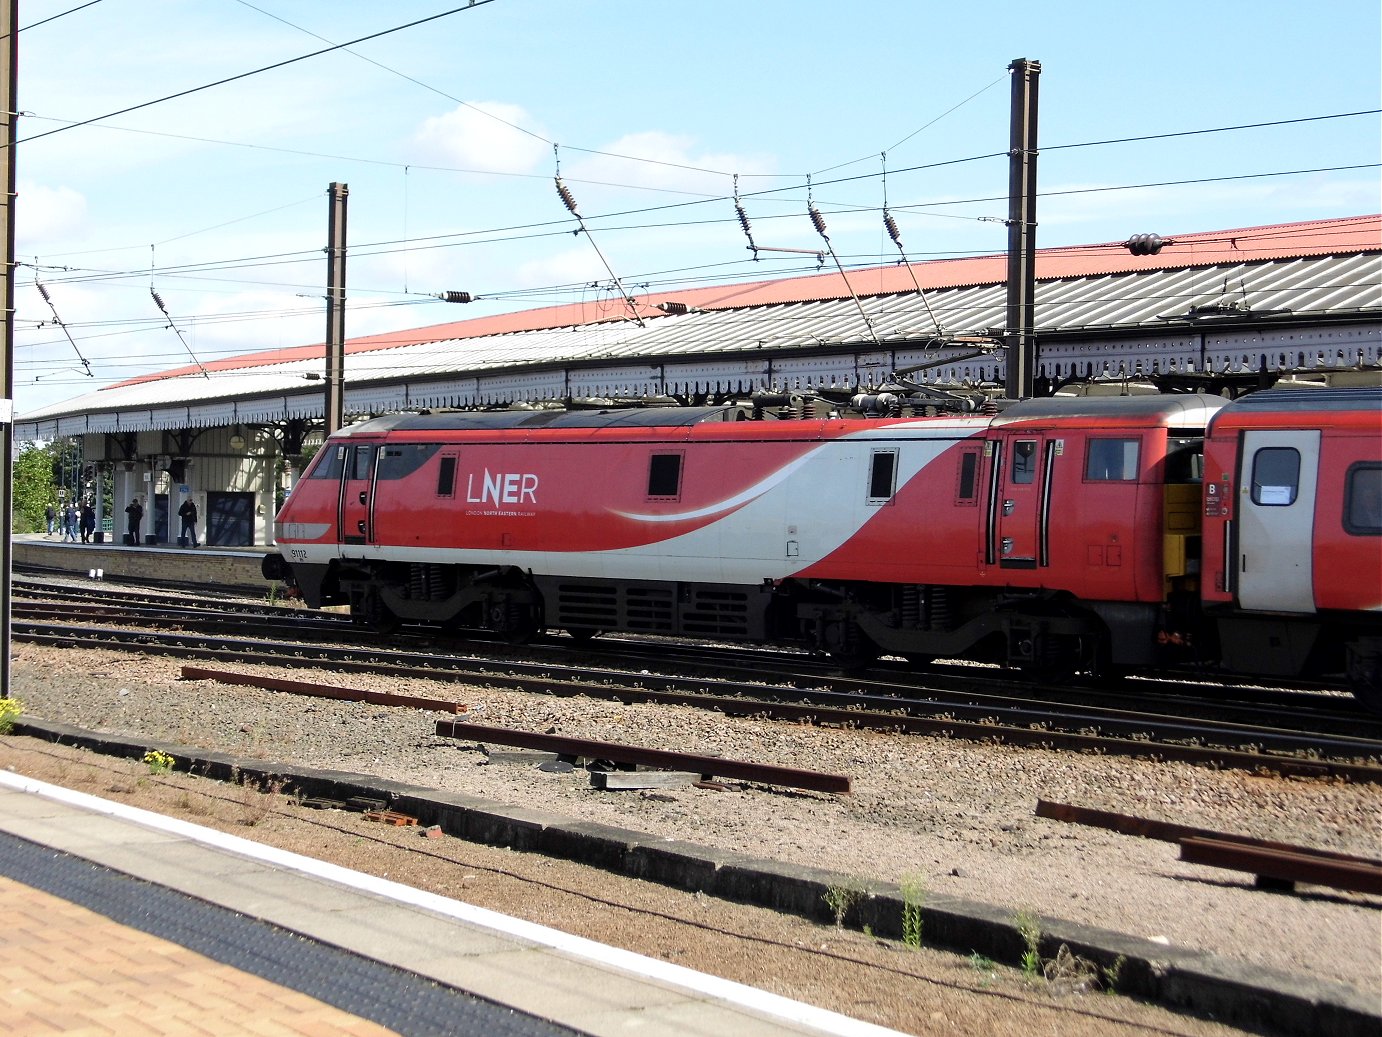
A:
955, 816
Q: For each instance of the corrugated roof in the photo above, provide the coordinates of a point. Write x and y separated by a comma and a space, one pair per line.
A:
1098, 305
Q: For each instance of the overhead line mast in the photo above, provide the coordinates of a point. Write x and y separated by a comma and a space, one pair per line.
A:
9, 113
1022, 160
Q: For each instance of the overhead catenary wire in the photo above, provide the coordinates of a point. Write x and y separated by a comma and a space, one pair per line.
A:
569, 200
818, 221
158, 300
43, 291
470, 6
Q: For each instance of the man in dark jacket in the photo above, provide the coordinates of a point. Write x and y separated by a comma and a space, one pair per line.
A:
188, 514
135, 511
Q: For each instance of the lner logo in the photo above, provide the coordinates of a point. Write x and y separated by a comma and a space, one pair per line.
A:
502, 488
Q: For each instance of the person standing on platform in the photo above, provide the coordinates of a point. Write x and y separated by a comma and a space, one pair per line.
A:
188, 514
50, 514
135, 511
69, 525
88, 522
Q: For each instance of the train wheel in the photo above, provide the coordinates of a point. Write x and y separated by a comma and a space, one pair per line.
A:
849, 646
374, 614
515, 622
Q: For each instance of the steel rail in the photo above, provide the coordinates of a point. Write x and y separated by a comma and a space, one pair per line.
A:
324, 691
1171, 832
716, 766
608, 684
1281, 869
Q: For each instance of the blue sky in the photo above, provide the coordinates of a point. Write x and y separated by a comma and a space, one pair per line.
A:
445, 134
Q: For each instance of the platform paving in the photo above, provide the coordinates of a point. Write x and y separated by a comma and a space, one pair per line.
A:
121, 921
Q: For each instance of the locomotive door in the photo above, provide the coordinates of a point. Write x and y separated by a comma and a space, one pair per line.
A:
1022, 485
1276, 520
355, 519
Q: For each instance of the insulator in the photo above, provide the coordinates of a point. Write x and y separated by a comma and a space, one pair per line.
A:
743, 220
567, 198
158, 299
817, 219
893, 232
455, 297
1145, 244
43, 291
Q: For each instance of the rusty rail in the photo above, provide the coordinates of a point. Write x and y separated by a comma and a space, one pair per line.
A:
767, 774
1275, 865
1277, 868
1170, 832
323, 691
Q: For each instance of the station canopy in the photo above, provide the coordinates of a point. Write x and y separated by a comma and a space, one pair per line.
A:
1302, 298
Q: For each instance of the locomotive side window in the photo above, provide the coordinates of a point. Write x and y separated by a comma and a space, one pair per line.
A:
1275, 476
1024, 461
1363, 500
330, 462
401, 460
664, 476
882, 476
967, 491
446, 477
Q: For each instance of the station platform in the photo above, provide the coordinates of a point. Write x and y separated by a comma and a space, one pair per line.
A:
119, 920
227, 568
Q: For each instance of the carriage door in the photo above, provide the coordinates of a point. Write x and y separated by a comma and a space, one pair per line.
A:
1023, 484
1276, 520
356, 518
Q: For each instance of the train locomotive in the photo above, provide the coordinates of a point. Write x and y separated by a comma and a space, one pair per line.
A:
1059, 535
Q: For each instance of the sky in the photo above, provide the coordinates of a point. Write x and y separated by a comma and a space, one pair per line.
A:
137, 175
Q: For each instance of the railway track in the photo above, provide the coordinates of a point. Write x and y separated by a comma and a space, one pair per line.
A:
778, 685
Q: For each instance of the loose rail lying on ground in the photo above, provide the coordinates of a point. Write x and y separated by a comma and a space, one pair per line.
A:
1275, 865
767, 774
325, 691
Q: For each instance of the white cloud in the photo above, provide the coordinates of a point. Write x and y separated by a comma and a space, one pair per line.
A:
482, 137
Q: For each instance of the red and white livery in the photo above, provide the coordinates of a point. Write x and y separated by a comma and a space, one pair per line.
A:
1059, 535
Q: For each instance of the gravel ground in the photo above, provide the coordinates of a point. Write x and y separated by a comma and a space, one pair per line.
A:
957, 814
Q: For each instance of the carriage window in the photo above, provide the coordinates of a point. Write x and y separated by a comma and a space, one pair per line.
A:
882, 475
329, 463
966, 493
664, 476
446, 477
1024, 460
1111, 460
1363, 500
1275, 476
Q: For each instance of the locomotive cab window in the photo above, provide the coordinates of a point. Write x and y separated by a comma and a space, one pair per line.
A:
329, 463
1275, 476
664, 476
1024, 461
882, 476
1363, 500
1111, 460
